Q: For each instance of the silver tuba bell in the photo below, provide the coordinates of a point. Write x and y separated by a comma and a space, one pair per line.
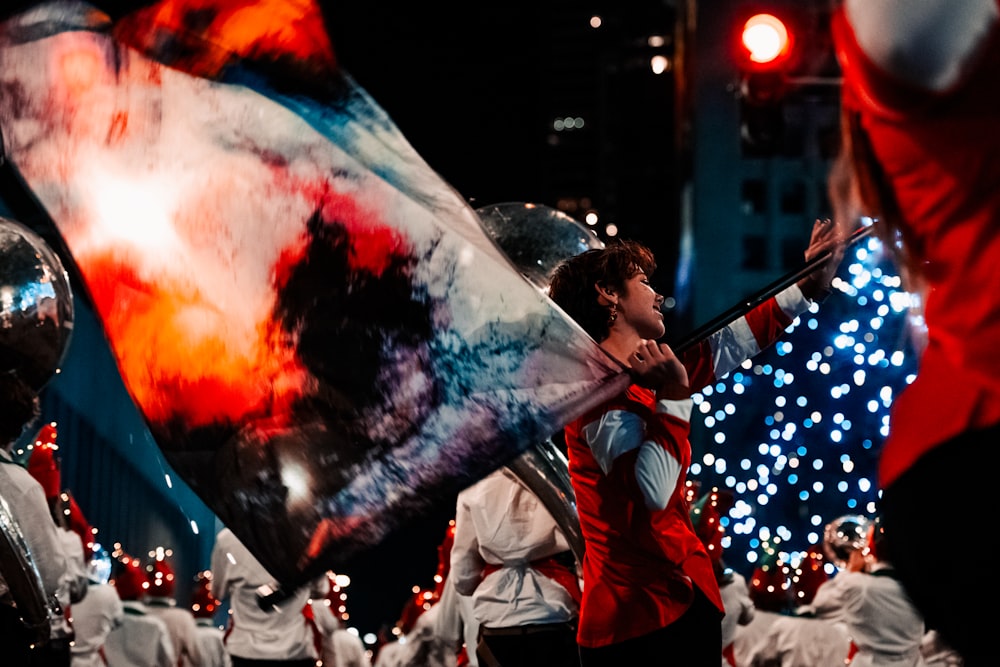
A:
845, 535
543, 469
20, 584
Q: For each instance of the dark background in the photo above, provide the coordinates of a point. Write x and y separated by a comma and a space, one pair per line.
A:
462, 86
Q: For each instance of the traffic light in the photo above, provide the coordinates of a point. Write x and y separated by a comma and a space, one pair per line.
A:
766, 40
766, 51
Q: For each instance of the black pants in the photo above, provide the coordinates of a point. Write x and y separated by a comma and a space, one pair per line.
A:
249, 662
56, 654
693, 640
551, 645
14, 637
939, 523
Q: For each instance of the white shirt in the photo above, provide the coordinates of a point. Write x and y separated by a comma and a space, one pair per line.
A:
740, 609
210, 644
74, 580
797, 641
26, 500
937, 652
182, 627
455, 622
421, 647
340, 647
500, 522
746, 636
882, 621
140, 641
94, 617
277, 634
391, 654
829, 602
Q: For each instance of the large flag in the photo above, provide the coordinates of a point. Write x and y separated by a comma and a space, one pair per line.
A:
317, 330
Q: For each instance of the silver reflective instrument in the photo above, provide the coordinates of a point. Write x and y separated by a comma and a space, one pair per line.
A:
36, 305
845, 535
536, 238
20, 583
544, 470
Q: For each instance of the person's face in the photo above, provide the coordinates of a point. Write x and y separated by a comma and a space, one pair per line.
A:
640, 305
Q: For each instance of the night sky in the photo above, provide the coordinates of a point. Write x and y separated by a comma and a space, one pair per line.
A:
461, 86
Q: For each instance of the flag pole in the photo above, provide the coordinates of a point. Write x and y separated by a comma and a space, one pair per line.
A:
746, 305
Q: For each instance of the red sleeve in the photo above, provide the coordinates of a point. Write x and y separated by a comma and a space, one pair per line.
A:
729, 347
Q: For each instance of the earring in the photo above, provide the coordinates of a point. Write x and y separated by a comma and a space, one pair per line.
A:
612, 314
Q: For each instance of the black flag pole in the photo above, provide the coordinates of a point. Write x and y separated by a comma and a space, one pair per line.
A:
746, 305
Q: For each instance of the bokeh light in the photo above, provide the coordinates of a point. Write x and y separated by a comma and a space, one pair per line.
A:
795, 433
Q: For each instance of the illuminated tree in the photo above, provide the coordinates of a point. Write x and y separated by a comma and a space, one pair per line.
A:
795, 433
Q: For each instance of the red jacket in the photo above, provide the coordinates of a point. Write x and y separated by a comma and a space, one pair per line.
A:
949, 200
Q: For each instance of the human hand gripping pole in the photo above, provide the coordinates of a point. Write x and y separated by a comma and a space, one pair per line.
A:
655, 366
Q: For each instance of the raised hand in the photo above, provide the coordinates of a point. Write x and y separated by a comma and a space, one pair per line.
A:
826, 237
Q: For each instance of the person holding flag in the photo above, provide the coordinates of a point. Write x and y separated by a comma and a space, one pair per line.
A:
650, 594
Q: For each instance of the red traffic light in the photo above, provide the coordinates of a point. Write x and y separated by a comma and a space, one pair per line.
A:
766, 40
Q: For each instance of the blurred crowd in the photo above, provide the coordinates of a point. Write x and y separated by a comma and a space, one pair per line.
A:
67, 601
506, 592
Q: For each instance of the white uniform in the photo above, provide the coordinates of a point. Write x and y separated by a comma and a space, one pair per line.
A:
829, 600
797, 641
937, 653
182, 627
141, 640
340, 647
94, 617
884, 625
391, 654
74, 580
27, 503
421, 647
455, 622
747, 635
740, 610
210, 644
281, 634
500, 523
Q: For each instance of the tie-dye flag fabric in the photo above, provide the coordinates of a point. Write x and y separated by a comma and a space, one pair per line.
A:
319, 334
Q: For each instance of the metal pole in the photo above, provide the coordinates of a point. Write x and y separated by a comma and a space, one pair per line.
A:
743, 307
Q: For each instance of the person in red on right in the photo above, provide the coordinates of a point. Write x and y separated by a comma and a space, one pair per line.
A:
650, 595
921, 153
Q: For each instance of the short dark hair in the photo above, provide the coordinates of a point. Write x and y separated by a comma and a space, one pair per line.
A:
18, 407
573, 281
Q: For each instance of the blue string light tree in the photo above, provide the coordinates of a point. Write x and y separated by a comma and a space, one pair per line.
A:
795, 433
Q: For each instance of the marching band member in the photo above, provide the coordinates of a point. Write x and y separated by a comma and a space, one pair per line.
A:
921, 152
650, 594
